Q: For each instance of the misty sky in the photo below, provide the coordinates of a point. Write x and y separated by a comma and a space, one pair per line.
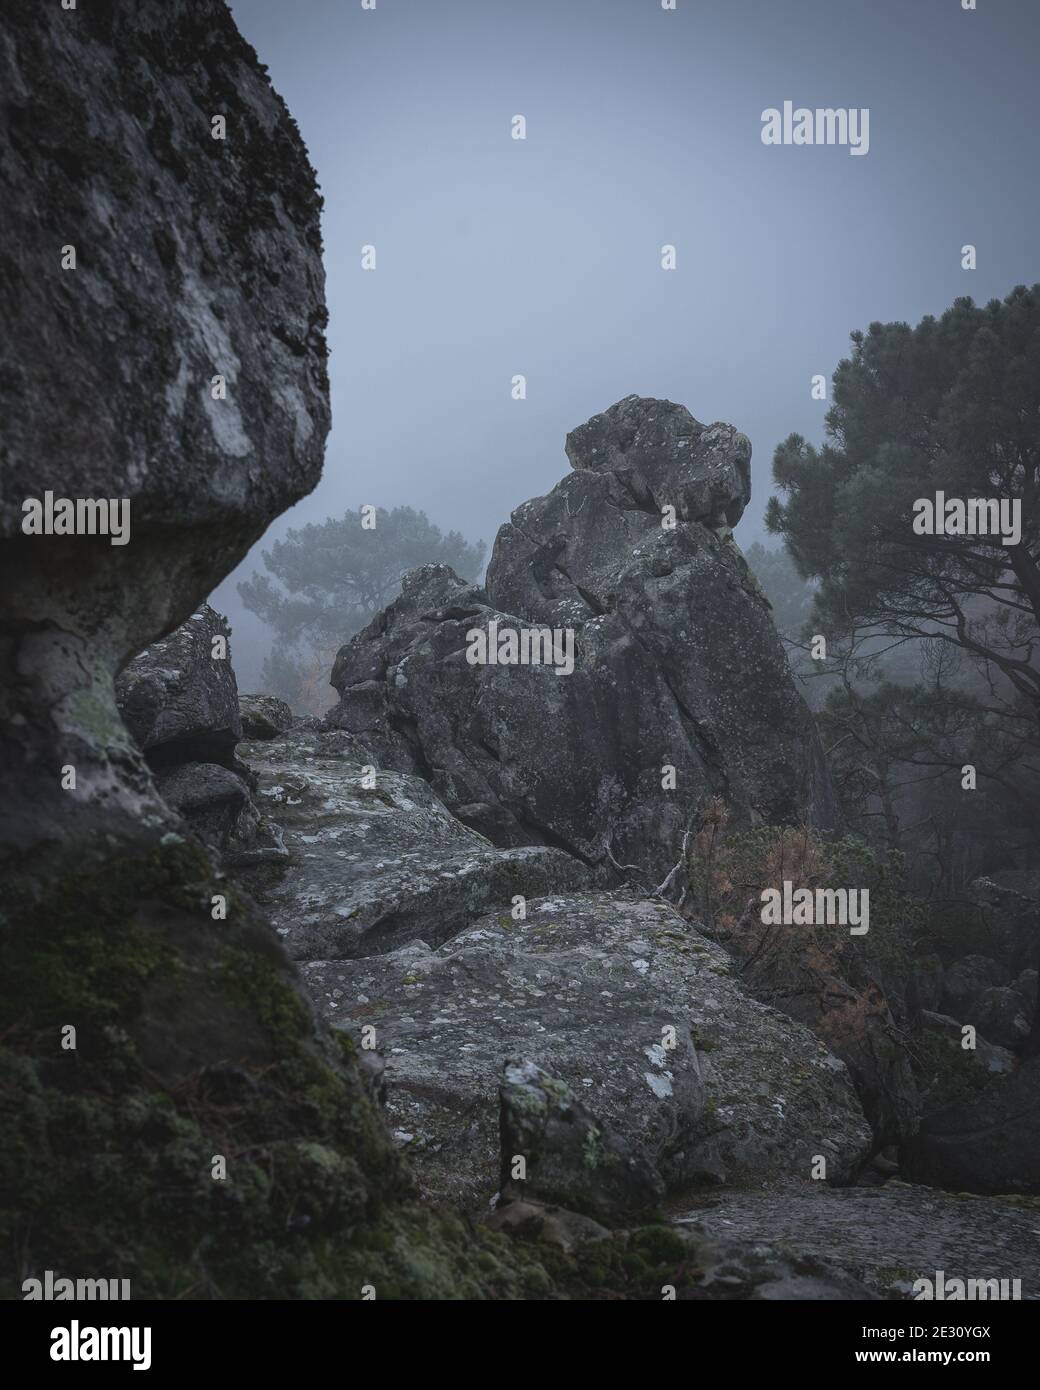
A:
542, 256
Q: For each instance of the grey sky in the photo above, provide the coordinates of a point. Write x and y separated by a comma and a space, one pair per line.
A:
542, 256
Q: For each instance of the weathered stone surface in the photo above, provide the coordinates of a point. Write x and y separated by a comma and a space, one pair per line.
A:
885, 1236
587, 987
194, 258
181, 704
374, 866
677, 662
571, 1159
661, 455
210, 797
264, 716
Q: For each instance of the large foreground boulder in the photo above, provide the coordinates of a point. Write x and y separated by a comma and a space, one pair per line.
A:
679, 689
162, 365
625, 1004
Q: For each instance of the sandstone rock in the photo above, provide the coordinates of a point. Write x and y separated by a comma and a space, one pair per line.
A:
181, 704
588, 987
376, 860
264, 716
677, 662
195, 258
571, 1159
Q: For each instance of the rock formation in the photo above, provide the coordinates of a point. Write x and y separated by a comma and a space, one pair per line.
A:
142, 261
173, 1108
676, 661
194, 258
377, 860
179, 699
623, 1002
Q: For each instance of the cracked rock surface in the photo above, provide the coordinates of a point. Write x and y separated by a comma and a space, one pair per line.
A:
373, 866
588, 987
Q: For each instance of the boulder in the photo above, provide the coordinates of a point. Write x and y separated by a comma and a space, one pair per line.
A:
621, 1000
555, 1151
676, 662
264, 716
195, 258
374, 860
179, 697
210, 797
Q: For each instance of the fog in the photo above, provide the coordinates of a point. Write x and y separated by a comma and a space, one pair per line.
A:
541, 257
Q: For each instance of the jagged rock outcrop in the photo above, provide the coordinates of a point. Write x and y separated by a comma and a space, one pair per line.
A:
593, 987
375, 860
676, 663
195, 258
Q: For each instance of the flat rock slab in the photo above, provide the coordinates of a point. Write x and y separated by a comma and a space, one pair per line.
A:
371, 867
887, 1236
592, 986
